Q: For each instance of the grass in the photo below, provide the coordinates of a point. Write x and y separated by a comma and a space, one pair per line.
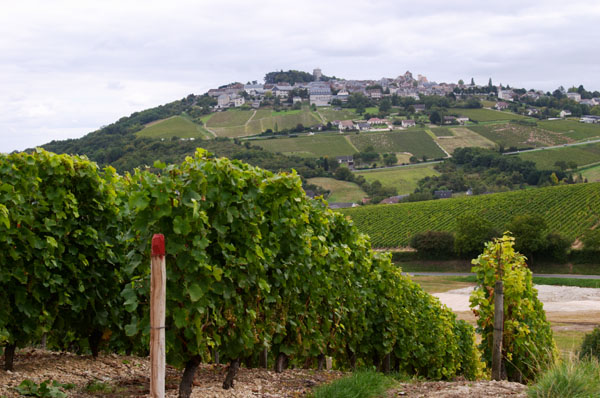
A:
441, 284
402, 178
462, 138
442, 132
341, 191
519, 136
414, 141
592, 173
570, 378
572, 128
361, 384
486, 115
465, 266
176, 126
331, 145
329, 114
568, 341
580, 154
229, 118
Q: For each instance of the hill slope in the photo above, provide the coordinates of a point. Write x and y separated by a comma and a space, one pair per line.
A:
568, 209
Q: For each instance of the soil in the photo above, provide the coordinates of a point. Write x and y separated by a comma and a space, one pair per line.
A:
126, 376
460, 389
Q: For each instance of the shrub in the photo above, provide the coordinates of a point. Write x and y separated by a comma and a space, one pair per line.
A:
576, 379
433, 244
590, 347
471, 234
527, 344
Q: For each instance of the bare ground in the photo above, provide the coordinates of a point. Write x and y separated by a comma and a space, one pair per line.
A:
460, 389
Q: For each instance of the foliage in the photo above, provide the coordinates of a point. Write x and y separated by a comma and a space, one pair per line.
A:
433, 244
527, 344
567, 209
291, 77
253, 264
590, 347
364, 384
591, 239
570, 378
529, 231
472, 231
61, 241
46, 389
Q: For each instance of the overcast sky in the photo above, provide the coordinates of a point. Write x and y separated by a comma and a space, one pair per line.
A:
69, 67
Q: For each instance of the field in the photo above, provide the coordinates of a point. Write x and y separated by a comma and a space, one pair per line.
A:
442, 132
329, 114
318, 145
237, 123
403, 178
592, 173
463, 137
341, 191
567, 209
486, 115
580, 154
417, 142
518, 136
176, 126
572, 128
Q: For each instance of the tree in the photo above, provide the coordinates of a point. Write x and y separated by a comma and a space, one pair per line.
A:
490, 83
435, 117
461, 82
472, 231
472, 82
529, 231
390, 159
385, 105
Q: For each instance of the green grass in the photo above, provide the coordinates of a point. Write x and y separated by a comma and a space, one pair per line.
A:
592, 173
519, 136
416, 142
402, 178
229, 118
580, 154
176, 126
569, 378
361, 384
572, 128
567, 209
329, 114
442, 132
341, 191
331, 145
486, 115
373, 110
462, 137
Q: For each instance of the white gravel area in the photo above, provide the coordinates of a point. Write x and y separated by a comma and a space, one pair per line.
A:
554, 298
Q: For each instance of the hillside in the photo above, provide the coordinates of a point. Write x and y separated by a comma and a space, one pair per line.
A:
567, 209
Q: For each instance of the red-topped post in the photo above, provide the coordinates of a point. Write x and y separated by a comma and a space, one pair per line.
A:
158, 289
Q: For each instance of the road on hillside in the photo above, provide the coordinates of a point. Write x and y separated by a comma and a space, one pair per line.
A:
570, 276
553, 147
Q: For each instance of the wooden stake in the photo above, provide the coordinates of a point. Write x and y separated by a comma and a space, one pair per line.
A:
158, 289
498, 331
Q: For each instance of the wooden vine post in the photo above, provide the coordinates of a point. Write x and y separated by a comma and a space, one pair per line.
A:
498, 321
158, 288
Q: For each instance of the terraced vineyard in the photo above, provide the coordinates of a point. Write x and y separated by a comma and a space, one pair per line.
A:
486, 115
519, 136
568, 209
416, 141
580, 154
176, 126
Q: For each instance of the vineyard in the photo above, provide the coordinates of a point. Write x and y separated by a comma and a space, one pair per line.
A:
568, 209
256, 272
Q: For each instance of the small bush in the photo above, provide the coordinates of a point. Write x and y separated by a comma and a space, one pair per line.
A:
590, 347
363, 384
433, 244
573, 379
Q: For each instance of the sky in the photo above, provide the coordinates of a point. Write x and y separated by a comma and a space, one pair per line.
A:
69, 67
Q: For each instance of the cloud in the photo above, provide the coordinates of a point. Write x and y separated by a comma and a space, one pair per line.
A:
73, 66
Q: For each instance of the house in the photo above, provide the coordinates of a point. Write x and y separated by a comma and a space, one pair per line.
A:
419, 108
450, 120
574, 96
282, 91
588, 102
506, 95
223, 101
376, 120
295, 100
590, 119
363, 126
393, 199
256, 104
342, 96
408, 123
347, 160
564, 113
501, 106
320, 95
346, 125
374, 93
532, 111
445, 194
238, 101
254, 89
462, 120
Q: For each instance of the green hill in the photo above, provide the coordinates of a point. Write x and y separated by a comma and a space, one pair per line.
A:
568, 209
175, 126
